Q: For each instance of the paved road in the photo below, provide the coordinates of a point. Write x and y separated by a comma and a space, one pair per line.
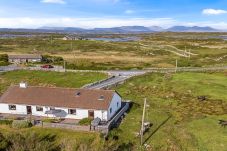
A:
9, 68
107, 83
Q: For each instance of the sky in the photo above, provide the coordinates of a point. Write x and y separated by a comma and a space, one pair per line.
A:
112, 13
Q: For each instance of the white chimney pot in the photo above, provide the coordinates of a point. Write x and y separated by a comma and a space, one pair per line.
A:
23, 85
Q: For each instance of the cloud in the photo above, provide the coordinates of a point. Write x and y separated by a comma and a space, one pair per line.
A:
54, 1
214, 11
129, 11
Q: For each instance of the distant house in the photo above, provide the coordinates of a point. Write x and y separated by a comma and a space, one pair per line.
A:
24, 58
60, 102
72, 38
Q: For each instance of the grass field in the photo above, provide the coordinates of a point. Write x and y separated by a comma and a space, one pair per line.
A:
51, 79
40, 139
153, 50
181, 121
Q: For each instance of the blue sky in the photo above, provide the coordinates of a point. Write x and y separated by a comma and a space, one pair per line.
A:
110, 13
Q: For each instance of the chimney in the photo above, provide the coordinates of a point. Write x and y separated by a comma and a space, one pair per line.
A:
23, 85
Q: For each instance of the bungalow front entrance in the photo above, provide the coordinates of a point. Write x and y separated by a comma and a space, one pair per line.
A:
91, 114
29, 110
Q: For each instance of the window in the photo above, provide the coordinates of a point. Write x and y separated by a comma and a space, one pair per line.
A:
52, 108
101, 97
72, 111
12, 107
117, 104
110, 110
39, 108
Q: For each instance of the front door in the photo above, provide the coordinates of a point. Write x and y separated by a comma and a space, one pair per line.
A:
91, 114
29, 110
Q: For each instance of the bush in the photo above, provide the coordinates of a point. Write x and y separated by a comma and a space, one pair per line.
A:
85, 121
6, 122
49, 120
21, 124
4, 58
3, 143
52, 59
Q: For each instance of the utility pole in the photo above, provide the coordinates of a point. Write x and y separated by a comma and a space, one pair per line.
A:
185, 51
142, 126
176, 66
51, 39
71, 45
64, 66
189, 53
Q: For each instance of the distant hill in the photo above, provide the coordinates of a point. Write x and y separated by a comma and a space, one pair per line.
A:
191, 29
124, 29
114, 30
156, 28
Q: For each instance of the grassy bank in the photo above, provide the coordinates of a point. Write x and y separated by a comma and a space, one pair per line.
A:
181, 121
42, 78
43, 139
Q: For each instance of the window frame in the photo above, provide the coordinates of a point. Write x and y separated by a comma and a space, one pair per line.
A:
12, 109
71, 113
40, 108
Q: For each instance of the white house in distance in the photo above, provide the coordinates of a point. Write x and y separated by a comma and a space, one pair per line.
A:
60, 102
25, 58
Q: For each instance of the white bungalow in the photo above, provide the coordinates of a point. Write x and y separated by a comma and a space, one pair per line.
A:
60, 102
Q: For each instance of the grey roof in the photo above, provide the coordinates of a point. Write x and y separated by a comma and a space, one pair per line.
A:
25, 56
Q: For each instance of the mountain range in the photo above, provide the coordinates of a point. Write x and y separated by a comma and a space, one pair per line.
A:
121, 30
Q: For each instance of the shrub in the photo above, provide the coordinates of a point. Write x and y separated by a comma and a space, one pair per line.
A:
4, 57
50, 120
21, 124
4, 60
52, 59
3, 143
6, 122
85, 121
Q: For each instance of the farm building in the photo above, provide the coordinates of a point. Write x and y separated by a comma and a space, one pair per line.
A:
60, 102
24, 58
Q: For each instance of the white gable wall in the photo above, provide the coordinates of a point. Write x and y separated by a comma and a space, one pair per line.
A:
113, 105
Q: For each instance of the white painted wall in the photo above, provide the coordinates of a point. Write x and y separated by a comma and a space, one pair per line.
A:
80, 113
20, 109
116, 99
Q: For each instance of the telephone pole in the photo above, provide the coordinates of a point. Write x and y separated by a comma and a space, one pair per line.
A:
64, 66
142, 126
185, 50
189, 53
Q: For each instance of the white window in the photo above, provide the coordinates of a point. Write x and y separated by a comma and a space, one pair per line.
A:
39, 108
72, 111
12, 107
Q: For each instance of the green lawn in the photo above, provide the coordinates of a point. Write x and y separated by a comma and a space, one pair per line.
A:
44, 139
42, 78
181, 121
